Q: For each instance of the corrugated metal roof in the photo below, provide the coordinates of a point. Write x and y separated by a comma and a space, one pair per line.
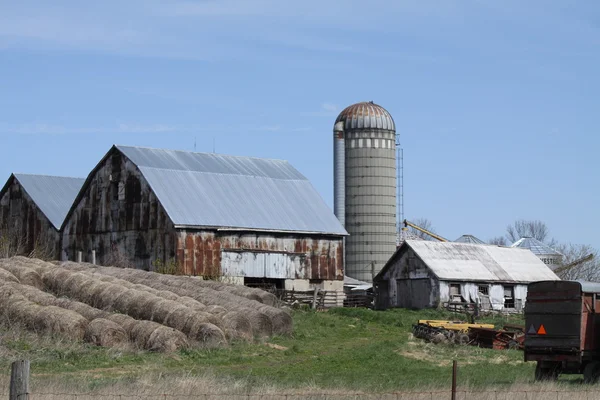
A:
469, 239
475, 262
366, 115
54, 195
215, 190
535, 246
589, 287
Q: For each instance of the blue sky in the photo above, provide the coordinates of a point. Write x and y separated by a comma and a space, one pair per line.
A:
496, 102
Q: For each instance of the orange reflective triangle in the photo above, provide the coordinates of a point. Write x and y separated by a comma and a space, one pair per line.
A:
542, 330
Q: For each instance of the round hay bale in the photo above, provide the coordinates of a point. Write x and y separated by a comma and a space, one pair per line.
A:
105, 333
25, 275
282, 321
105, 298
139, 306
124, 321
207, 334
35, 295
121, 301
23, 312
6, 292
178, 317
56, 320
102, 294
192, 303
160, 310
54, 278
166, 340
6, 276
88, 312
217, 310
237, 326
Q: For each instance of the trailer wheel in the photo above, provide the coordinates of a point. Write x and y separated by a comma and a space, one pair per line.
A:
546, 373
591, 372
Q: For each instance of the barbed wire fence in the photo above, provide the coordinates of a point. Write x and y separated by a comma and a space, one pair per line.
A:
499, 394
19, 389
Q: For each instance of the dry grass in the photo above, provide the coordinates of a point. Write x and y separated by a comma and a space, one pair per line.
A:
159, 386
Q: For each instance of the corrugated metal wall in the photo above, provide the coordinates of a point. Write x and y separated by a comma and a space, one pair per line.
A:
285, 256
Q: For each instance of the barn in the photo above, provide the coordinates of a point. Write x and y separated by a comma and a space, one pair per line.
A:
249, 220
32, 210
423, 274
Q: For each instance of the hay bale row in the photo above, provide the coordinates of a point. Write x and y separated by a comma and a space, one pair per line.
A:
135, 303
235, 316
50, 320
22, 272
239, 290
265, 320
104, 328
235, 324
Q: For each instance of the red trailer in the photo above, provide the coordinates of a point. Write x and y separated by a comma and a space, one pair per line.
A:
562, 329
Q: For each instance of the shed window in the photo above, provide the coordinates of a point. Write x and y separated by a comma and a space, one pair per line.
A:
454, 289
509, 297
484, 289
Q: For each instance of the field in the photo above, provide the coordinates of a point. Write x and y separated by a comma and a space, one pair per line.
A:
340, 351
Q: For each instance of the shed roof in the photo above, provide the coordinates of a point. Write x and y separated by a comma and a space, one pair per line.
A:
216, 190
537, 247
53, 195
476, 262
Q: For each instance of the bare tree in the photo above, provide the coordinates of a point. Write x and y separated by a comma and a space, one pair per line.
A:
527, 228
589, 270
498, 241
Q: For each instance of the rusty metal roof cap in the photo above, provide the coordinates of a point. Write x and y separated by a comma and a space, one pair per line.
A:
366, 115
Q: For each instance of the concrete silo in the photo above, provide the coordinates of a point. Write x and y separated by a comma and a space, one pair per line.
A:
365, 186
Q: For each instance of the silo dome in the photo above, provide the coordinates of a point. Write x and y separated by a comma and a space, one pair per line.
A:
366, 115
364, 137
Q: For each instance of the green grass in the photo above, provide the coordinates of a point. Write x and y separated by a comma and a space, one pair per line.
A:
353, 349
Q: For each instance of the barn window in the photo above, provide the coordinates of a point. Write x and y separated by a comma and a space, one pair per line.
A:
509, 297
484, 289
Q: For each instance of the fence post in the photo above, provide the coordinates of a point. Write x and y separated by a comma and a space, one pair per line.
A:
19, 380
79, 256
94, 257
314, 302
454, 379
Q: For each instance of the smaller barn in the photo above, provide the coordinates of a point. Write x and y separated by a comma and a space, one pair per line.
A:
32, 210
425, 274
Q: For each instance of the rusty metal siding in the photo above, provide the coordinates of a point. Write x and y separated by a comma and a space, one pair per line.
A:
25, 224
120, 218
257, 254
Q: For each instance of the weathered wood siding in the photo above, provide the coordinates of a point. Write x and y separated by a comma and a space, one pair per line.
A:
24, 225
120, 218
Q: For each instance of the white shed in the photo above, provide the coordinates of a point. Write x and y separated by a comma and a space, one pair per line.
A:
425, 274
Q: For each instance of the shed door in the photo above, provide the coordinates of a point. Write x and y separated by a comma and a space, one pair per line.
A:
413, 293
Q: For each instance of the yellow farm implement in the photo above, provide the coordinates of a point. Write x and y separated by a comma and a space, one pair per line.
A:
438, 331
